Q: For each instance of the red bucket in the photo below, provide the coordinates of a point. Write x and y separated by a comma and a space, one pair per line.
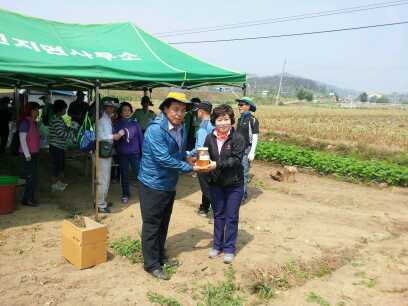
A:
7, 194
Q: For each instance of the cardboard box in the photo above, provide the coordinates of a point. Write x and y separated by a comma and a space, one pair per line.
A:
84, 247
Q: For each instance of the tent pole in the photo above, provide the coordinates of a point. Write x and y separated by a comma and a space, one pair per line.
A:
244, 89
96, 188
16, 104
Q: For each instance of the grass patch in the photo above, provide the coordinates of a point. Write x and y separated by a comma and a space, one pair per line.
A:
224, 293
159, 299
315, 298
263, 290
129, 248
296, 273
170, 270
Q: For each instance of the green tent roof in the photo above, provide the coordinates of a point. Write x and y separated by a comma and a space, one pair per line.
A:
41, 53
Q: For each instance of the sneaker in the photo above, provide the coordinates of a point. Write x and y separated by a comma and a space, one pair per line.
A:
64, 185
214, 253
57, 187
160, 274
202, 213
125, 200
29, 203
104, 210
228, 258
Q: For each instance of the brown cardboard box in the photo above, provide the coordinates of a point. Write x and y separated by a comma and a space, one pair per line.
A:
84, 247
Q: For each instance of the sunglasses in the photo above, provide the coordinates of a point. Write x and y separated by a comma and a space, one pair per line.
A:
241, 104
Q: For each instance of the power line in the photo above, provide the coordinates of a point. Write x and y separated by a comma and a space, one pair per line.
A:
289, 35
282, 19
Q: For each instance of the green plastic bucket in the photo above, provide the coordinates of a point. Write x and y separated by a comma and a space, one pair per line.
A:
8, 180
7, 194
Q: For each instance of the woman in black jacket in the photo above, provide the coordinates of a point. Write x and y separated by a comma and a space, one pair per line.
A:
226, 149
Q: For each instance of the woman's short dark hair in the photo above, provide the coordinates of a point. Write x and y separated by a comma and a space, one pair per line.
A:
222, 110
122, 105
59, 106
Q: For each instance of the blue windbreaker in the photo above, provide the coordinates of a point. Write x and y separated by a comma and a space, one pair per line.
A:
162, 159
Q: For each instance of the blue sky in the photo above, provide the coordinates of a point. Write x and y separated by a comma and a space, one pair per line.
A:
366, 60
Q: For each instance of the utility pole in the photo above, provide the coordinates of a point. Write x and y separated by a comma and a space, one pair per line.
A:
280, 83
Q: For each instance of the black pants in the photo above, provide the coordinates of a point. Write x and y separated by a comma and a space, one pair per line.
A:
31, 176
156, 207
4, 134
205, 189
58, 161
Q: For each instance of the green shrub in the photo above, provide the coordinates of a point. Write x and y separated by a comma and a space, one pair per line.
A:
329, 163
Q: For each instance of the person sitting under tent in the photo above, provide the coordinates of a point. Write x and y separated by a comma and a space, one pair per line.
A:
144, 115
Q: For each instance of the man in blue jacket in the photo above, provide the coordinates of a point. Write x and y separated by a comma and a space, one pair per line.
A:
203, 110
163, 158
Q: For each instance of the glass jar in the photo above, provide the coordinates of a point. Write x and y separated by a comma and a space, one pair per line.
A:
203, 157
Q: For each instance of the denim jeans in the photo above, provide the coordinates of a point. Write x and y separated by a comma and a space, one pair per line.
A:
31, 176
126, 160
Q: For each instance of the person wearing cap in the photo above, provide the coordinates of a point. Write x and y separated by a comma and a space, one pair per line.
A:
106, 134
203, 110
78, 108
29, 136
248, 127
163, 158
144, 115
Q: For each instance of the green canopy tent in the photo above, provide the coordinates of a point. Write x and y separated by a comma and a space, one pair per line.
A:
43, 54
48, 54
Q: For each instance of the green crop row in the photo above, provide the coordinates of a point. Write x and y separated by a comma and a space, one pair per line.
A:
329, 163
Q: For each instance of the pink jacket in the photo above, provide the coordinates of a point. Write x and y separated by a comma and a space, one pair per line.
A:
33, 136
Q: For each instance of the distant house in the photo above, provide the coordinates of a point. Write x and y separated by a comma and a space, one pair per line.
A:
263, 93
374, 95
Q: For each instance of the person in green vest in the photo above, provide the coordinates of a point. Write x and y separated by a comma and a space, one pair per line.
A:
144, 115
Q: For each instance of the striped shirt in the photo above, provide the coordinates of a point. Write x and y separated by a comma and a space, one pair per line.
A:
59, 133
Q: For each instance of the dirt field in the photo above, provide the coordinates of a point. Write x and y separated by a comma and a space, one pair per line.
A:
361, 230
